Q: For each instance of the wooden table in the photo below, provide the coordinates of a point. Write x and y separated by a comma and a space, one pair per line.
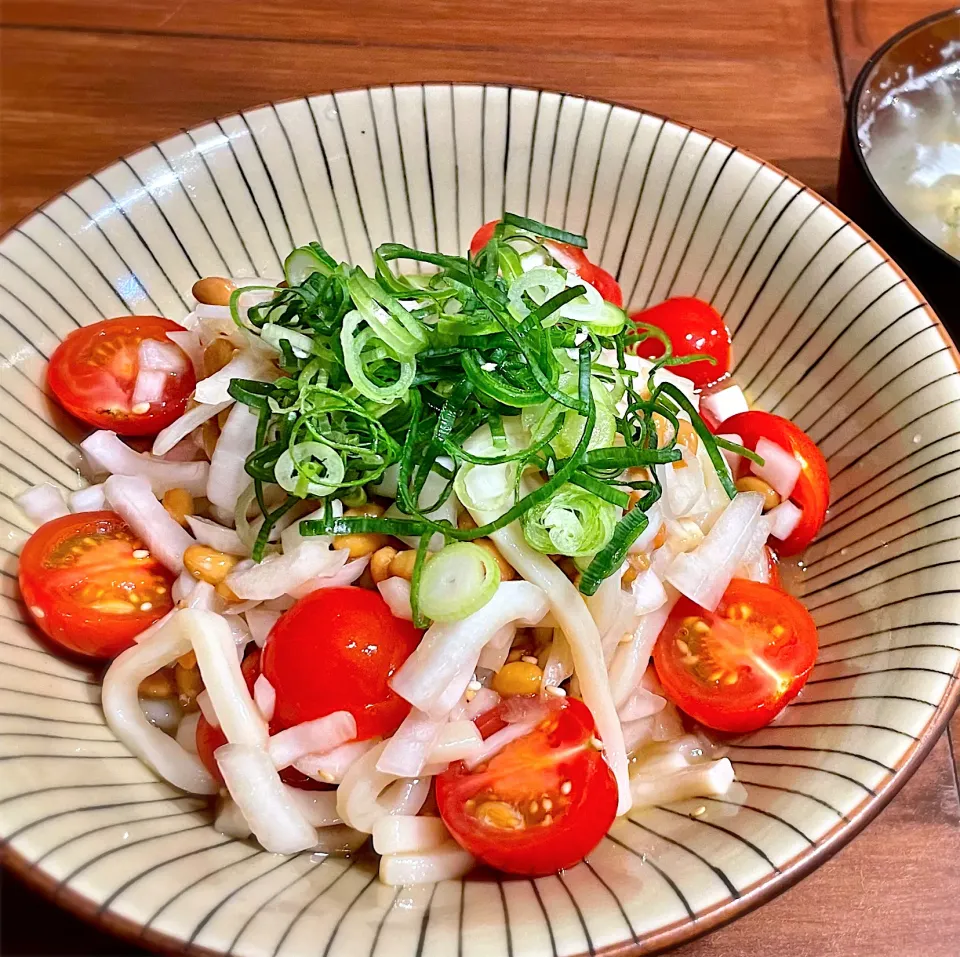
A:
85, 81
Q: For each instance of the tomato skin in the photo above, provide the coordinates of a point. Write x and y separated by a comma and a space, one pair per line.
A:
54, 576
570, 257
93, 371
335, 650
693, 327
210, 738
812, 491
731, 648
556, 760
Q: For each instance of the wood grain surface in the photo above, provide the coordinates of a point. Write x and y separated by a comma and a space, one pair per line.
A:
85, 81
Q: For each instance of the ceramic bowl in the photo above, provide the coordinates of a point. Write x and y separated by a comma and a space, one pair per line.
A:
827, 331
921, 47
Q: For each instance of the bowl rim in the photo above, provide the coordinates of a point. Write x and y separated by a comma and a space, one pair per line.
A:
851, 130
718, 915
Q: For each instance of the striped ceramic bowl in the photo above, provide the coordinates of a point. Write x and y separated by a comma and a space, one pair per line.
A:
827, 331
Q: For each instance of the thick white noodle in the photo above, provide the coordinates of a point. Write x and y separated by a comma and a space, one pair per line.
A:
450, 651
227, 478
216, 651
365, 795
402, 834
121, 708
444, 863
275, 818
216, 536
107, 453
496, 651
187, 732
319, 736
89, 499
709, 778
244, 365
331, 767
261, 621
573, 616
559, 663
704, 574
396, 593
278, 575
458, 741
408, 750
43, 503
230, 820
133, 499
631, 657
318, 807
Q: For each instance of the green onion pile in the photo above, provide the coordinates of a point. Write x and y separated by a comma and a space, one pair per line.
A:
393, 369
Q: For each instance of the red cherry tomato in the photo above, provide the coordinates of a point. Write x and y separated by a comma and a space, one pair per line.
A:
90, 585
94, 370
693, 327
736, 668
335, 650
773, 568
210, 738
570, 257
812, 491
538, 805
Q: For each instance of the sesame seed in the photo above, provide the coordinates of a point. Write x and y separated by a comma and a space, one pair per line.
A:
566, 787
326, 776
146, 606
140, 408
556, 691
529, 659
470, 695
697, 811
596, 743
37, 611
141, 553
474, 685
489, 366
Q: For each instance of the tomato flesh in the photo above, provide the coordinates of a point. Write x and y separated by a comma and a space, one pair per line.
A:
541, 803
693, 327
572, 258
93, 374
336, 650
90, 585
812, 491
736, 668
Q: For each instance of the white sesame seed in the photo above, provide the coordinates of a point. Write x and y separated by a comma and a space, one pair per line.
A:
37, 611
140, 408
146, 606
529, 659
326, 776
474, 685
596, 743
489, 366
141, 553
470, 695
566, 787
556, 691
697, 811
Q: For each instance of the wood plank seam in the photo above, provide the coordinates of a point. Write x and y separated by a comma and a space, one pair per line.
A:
834, 29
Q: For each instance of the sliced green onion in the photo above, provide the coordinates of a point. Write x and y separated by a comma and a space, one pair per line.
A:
300, 469
541, 229
353, 360
571, 522
274, 335
457, 581
306, 260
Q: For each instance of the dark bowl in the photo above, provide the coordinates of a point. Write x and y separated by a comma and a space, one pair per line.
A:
921, 47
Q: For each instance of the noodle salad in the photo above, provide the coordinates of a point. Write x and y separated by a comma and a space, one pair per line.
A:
456, 553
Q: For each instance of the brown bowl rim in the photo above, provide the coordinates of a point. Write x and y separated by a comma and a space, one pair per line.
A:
684, 931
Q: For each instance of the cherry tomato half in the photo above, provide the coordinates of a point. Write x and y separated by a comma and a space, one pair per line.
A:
572, 258
93, 372
812, 491
90, 584
335, 650
210, 738
693, 326
736, 668
540, 804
